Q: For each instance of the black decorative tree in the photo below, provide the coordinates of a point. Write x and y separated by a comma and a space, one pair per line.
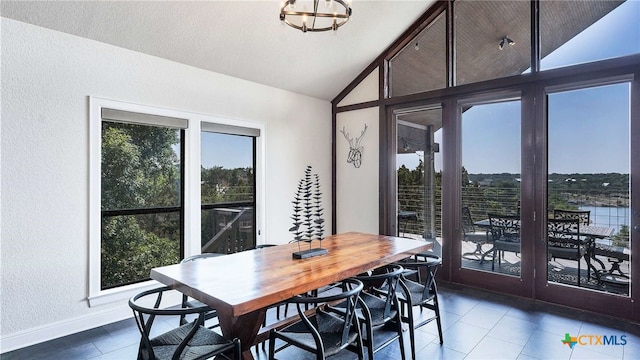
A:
308, 224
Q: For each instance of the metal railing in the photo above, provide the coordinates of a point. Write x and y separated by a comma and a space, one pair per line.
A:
608, 208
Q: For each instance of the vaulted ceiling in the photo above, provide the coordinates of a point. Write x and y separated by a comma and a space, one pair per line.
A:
243, 39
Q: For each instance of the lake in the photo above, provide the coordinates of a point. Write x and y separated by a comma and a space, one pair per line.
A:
608, 216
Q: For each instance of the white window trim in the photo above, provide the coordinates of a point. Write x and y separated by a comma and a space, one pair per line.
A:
97, 296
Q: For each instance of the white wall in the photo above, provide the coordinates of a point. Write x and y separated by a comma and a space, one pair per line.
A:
357, 189
47, 78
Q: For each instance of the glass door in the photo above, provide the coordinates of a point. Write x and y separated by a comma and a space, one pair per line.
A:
589, 161
419, 174
490, 247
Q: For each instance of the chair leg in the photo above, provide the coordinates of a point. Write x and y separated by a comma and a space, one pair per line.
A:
579, 271
412, 339
400, 337
493, 260
436, 306
272, 347
237, 350
369, 342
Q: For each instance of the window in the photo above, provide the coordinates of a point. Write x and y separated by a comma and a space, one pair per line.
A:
227, 188
574, 32
492, 39
149, 191
141, 195
422, 64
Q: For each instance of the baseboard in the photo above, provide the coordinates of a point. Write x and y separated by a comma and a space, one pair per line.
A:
62, 328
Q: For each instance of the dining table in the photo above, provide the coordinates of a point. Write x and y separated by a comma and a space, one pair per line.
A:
241, 286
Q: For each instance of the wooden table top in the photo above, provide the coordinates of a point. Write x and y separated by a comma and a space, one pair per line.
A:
250, 280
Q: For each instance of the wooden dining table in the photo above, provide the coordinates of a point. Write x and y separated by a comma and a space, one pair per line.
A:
243, 285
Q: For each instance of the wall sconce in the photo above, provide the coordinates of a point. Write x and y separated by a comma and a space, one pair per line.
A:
505, 40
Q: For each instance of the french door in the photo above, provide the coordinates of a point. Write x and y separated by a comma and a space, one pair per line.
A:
528, 156
491, 178
588, 145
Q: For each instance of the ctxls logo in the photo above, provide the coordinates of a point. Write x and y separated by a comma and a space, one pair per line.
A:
594, 340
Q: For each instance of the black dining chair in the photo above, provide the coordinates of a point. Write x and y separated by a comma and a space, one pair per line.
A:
189, 341
321, 331
421, 294
379, 309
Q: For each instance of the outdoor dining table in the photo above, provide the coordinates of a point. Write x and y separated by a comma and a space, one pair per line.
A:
241, 286
590, 232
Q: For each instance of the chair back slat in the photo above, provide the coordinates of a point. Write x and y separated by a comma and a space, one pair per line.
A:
505, 227
349, 296
563, 232
581, 215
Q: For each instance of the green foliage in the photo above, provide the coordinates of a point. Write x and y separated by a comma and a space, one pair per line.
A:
220, 184
622, 237
140, 169
129, 251
138, 166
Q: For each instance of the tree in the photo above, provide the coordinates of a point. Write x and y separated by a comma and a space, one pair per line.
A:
140, 170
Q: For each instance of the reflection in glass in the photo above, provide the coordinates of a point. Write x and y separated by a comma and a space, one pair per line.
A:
227, 193
419, 171
491, 187
588, 177
574, 32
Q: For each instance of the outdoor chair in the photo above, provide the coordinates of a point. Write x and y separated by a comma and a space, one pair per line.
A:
582, 215
478, 237
505, 235
616, 255
322, 331
564, 241
420, 294
189, 341
188, 302
378, 309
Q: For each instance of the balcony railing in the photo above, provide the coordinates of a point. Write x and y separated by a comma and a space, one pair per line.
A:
608, 208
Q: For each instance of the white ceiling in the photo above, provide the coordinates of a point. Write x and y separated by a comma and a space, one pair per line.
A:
243, 39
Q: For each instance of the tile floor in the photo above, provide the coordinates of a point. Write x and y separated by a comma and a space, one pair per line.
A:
476, 324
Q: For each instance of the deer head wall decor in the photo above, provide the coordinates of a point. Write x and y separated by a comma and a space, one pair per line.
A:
355, 150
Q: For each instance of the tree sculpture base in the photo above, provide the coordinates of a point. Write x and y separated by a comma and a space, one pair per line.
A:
309, 253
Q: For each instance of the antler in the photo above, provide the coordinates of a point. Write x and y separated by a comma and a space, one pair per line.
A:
346, 136
359, 138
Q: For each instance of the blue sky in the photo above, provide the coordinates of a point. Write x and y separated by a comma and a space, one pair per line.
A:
228, 151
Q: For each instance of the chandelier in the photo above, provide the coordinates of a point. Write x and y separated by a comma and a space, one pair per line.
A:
330, 16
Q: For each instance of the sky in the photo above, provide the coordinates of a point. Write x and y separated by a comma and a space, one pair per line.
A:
228, 151
588, 129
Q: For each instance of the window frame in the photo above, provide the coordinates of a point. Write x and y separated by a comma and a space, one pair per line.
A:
191, 192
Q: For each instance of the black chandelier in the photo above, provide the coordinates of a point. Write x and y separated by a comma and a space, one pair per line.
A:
330, 16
